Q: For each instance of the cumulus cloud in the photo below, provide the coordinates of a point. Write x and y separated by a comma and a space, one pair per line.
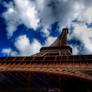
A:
23, 12
44, 13
34, 13
24, 46
86, 16
51, 11
27, 11
75, 50
9, 52
12, 19
84, 34
45, 31
40, 13
50, 40
62, 11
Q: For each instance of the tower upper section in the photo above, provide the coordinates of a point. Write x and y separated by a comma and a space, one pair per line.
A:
60, 45
62, 40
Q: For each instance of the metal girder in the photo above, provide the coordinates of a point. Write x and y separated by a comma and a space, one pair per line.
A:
74, 71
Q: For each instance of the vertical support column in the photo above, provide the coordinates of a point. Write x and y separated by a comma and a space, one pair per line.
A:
60, 83
29, 82
45, 82
88, 87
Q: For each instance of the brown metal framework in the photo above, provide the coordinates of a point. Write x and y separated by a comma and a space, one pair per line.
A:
56, 60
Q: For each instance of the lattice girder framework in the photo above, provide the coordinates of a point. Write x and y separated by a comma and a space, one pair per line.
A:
74, 65
54, 60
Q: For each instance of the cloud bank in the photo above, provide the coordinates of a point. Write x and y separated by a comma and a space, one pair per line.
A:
20, 12
43, 13
24, 47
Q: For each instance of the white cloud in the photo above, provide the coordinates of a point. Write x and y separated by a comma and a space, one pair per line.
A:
84, 35
43, 13
45, 32
26, 48
75, 50
23, 12
50, 40
88, 15
54, 11
9, 52
85, 16
27, 13
30, 13
61, 11
35, 13
79, 8
23, 46
12, 19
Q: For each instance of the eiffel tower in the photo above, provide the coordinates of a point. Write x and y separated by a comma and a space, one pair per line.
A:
53, 69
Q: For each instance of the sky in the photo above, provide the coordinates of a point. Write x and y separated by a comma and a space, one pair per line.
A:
28, 25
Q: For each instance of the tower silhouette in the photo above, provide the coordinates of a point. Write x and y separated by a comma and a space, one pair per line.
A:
53, 69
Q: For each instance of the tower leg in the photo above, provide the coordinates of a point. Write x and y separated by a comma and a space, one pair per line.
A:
60, 83
29, 82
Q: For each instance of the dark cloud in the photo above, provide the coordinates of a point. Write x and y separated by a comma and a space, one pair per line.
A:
62, 11
52, 11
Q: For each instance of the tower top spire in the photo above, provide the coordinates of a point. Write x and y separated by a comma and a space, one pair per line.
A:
62, 40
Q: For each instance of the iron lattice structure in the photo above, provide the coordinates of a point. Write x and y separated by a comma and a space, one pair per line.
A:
55, 63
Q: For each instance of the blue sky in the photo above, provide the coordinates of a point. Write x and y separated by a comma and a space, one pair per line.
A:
28, 25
